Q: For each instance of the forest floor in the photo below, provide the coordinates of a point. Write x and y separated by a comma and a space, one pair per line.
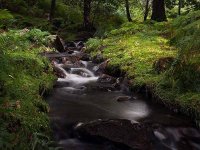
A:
142, 50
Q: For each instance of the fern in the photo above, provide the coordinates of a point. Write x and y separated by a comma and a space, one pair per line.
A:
5, 14
185, 70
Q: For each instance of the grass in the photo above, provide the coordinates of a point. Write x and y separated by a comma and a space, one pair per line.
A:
135, 47
23, 75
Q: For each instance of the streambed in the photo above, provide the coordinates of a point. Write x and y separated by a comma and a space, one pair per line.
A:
84, 97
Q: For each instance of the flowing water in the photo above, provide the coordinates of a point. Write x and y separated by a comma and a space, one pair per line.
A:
79, 98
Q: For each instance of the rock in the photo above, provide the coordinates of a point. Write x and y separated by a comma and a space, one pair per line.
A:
70, 52
101, 68
98, 59
80, 73
70, 44
59, 44
106, 79
80, 45
79, 64
67, 66
63, 60
85, 57
101, 87
114, 70
58, 72
134, 135
83, 49
74, 58
163, 64
118, 83
123, 98
71, 48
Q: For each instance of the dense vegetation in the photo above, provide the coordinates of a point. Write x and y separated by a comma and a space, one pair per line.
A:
163, 57
24, 77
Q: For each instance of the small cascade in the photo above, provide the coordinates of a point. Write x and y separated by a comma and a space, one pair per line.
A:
76, 76
83, 70
59, 66
84, 94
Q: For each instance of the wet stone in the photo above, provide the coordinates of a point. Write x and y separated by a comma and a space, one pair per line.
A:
135, 136
123, 98
106, 79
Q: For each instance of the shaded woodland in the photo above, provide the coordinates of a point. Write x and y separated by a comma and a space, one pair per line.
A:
155, 44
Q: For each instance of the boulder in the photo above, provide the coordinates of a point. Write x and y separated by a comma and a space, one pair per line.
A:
101, 67
59, 44
134, 135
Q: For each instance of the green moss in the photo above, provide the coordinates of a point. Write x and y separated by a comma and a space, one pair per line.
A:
23, 74
136, 46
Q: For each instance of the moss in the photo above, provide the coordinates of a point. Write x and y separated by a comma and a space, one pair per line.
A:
135, 47
23, 72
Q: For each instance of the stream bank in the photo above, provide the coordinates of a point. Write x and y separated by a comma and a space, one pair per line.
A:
91, 110
144, 52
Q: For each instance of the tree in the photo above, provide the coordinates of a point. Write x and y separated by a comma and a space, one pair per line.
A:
52, 11
158, 11
128, 10
146, 11
86, 14
179, 7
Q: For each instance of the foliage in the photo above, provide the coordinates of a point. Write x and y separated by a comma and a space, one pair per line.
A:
5, 14
135, 47
42, 142
5, 17
22, 75
187, 38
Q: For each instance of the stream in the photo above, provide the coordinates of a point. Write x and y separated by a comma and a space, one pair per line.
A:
86, 99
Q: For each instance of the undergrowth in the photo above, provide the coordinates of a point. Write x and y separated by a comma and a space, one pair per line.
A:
23, 75
144, 50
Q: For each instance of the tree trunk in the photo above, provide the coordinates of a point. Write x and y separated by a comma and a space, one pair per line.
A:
128, 10
52, 11
2, 4
146, 12
179, 7
86, 14
158, 11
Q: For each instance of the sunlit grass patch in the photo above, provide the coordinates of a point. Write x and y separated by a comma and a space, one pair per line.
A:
135, 47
